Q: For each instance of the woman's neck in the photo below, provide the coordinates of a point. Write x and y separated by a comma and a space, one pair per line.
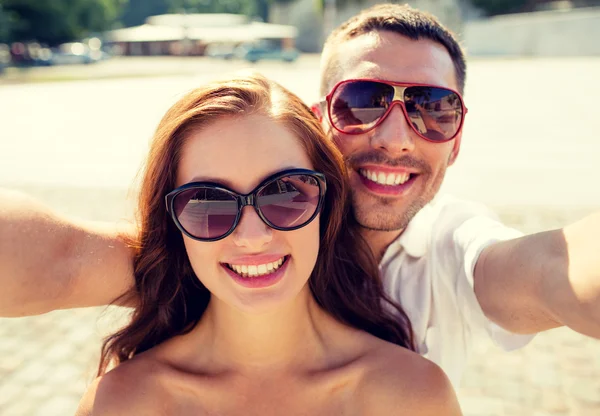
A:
281, 338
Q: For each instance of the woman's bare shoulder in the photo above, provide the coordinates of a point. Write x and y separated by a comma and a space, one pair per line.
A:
130, 388
397, 381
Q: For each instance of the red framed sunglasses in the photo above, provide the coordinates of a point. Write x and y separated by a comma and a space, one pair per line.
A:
356, 106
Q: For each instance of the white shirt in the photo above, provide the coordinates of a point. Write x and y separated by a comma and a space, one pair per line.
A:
429, 271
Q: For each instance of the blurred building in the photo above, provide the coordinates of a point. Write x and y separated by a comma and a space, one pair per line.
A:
564, 31
191, 34
550, 28
314, 25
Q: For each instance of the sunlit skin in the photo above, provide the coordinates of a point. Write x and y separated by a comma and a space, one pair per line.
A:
240, 154
393, 147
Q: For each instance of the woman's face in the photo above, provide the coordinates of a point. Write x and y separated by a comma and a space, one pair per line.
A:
239, 153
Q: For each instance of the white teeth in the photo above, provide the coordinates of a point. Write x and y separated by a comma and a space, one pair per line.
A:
385, 179
256, 269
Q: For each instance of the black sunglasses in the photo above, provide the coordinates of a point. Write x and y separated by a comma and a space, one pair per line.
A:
285, 201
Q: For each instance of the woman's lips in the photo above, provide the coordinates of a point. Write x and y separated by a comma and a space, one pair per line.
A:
260, 280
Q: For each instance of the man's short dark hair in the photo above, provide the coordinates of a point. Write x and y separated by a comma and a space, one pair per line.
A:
401, 19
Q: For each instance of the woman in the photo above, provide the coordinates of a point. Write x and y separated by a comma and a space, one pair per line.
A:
274, 308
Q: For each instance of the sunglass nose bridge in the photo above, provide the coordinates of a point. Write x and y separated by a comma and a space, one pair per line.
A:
247, 200
398, 93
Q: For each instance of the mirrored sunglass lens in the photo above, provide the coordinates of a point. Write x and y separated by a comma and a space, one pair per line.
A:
206, 212
290, 201
436, 113
356, 106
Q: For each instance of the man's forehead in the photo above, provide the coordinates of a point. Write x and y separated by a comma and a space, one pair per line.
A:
389, 56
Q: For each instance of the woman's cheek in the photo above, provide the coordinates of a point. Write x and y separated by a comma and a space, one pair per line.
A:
202, 256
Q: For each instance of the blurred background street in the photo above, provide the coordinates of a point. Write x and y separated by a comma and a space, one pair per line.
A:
81, 97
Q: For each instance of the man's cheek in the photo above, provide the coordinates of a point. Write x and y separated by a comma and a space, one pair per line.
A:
345, 145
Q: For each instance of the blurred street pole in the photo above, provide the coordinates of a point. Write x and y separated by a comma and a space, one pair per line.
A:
329, 12
186, 42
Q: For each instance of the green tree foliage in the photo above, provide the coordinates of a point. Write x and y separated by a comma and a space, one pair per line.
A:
495, 7
247, 7
135, 12
4, 25
58, 21
320, 4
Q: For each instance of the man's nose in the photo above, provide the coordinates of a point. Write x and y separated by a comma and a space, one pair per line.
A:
251, 231
394, 134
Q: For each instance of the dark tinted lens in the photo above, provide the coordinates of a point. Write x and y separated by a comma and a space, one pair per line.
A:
436, 113
206, 212
291, 201
357, 105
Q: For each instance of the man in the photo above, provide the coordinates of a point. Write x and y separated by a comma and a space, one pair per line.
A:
392, 77
455, 269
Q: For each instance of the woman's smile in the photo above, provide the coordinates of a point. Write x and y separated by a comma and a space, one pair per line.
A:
258, 275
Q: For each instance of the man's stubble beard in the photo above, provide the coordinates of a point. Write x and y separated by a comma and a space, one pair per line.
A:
393, 219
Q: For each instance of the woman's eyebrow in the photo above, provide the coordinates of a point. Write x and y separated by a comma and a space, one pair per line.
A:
220, 181
228, 184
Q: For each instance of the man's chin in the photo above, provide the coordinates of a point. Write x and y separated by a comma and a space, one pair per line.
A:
385, 218
380, 221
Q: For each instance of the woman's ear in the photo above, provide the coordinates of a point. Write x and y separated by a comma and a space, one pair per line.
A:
316, 109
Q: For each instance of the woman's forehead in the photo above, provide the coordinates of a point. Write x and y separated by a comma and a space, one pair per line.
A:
240, 152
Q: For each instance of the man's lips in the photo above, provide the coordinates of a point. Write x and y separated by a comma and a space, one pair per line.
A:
385, 175
387, 183
385, 168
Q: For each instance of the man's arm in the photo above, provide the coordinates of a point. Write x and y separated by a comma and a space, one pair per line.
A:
544, 280
48, 262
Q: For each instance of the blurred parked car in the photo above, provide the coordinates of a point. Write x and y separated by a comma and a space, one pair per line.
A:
220, 50
76, 53
266, 50
29, 54
4, 57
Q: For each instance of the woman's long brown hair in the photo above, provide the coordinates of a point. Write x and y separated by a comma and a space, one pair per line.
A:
170, 298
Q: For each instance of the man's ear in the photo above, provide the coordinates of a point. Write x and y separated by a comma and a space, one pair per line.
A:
316, 109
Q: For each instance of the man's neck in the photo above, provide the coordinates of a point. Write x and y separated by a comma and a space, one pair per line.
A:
379, 241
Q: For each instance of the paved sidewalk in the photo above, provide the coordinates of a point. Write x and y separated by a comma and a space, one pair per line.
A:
47, 361
557, 374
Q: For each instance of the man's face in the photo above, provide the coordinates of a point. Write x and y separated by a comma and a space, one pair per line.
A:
412, 167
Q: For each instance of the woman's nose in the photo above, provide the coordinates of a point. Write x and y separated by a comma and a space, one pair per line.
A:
251, 231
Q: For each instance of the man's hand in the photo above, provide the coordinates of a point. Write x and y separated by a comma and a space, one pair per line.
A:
544, 280
48, 262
